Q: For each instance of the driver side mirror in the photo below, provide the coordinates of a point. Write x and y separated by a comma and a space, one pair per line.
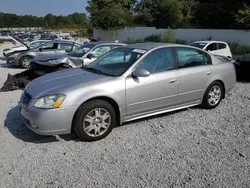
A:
90, 56
141, 73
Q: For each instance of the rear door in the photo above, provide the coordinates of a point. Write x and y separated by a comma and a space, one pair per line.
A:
194, 71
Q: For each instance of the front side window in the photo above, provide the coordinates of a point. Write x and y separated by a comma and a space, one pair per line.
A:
158, 61
50, 46
212, 47
188, 57
116, 62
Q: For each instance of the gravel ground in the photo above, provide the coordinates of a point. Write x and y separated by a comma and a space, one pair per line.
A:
189, 148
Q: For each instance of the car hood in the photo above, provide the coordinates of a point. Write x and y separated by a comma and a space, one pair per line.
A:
44, 58
63, 81
59, 59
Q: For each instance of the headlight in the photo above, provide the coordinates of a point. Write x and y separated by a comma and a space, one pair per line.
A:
50, 102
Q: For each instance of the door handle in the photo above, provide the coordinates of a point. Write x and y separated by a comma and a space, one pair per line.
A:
209, 73
172, 81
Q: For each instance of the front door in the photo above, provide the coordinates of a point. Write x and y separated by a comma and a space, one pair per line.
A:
157, 91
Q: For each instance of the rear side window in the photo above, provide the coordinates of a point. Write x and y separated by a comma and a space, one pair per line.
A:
222, 46
188, 57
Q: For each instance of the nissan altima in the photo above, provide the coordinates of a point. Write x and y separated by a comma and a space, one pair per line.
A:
125, 84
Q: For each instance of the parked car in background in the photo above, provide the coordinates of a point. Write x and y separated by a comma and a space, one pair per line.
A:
8, 42
242, 66
125, 84
214, 47
82, 55
24, 46
24, 57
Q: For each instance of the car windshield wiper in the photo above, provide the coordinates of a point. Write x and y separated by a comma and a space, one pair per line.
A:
93, 70
96, 71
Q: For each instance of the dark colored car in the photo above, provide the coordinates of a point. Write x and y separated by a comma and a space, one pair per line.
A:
242, 66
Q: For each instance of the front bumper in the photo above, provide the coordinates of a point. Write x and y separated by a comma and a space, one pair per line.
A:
48, 121
10, 60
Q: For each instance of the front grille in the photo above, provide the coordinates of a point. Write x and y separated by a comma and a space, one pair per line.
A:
26, 98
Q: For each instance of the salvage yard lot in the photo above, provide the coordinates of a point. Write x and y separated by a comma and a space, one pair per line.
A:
188, 148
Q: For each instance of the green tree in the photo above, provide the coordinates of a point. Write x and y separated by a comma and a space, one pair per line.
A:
243, 17
110, 14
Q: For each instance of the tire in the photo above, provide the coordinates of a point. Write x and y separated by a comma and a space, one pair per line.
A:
89, 123
25, 62
213, 95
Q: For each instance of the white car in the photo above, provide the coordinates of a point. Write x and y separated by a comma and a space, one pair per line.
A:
214, 47
22, 47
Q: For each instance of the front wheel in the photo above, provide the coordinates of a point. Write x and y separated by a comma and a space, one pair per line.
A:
94, 120
25, 62
213, 95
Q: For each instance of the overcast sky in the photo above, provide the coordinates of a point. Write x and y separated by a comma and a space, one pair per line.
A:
42, 7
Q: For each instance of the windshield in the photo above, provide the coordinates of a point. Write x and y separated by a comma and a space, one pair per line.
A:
80, 51
198, 45
117, 61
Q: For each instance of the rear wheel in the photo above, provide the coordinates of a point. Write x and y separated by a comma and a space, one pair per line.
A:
213, 95
94, 120
25, 62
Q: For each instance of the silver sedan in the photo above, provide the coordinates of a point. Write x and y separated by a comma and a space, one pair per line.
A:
126, 84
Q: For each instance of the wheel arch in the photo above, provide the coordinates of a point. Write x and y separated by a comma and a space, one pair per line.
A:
223, 85
25, 55
106, 99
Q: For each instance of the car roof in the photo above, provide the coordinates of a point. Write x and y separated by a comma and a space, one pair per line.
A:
149, 46
104, 42
208, 41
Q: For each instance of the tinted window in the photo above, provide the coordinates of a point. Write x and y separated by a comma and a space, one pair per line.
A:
212, 47
191, 58
158, 61
65, 46
222, 46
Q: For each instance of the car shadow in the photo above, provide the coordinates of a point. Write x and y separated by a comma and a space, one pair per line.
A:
4, 65
17, 128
